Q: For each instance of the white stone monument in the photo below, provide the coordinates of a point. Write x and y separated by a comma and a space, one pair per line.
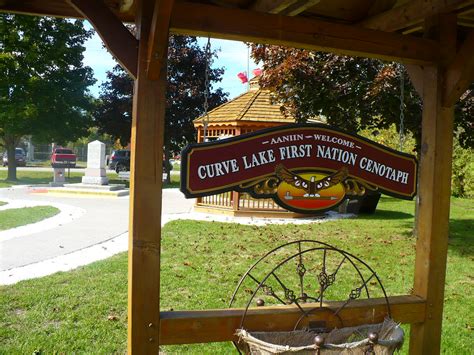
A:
95, 171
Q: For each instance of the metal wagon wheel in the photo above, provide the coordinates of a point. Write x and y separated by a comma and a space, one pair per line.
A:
327, 275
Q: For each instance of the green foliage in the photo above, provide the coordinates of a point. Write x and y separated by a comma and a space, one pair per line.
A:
113, 111
462, 178
390, 137
352, 93
85, 310
184, 95
43, 85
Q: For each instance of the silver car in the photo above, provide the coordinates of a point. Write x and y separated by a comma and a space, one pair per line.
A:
20, 157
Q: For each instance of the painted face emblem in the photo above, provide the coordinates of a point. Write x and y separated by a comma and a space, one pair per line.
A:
310, 191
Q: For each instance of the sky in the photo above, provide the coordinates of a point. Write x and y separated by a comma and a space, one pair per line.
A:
232, 56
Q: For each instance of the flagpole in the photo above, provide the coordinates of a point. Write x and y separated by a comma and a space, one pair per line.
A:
248, 66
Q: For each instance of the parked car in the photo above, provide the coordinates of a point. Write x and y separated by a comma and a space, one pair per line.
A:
120, 160
63, 158
20, 157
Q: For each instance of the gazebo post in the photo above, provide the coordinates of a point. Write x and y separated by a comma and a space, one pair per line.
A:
434, 193
432, 224
146, 178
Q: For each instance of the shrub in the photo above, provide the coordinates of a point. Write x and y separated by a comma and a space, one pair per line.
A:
462, 178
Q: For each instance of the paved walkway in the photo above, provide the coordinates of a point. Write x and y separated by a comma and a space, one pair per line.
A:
87, 229
101, 219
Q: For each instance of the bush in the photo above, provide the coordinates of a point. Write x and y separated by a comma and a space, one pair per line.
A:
462, 178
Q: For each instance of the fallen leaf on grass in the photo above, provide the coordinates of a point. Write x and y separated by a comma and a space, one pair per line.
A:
112, 317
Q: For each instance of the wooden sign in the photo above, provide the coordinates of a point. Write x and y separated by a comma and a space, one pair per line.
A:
304, 168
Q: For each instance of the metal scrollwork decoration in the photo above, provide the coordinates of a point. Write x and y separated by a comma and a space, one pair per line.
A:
356, 187
267, 186
305, 273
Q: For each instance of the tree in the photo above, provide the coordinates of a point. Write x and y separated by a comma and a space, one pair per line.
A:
184, 97
113, 113
43, 85
352, 93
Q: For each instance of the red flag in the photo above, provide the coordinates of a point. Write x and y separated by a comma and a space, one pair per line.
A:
257, 72
243, 77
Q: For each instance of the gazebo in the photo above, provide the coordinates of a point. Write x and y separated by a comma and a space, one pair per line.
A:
248, 112
433, 39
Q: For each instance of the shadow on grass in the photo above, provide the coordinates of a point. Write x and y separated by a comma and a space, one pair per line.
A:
386, 214
461, 236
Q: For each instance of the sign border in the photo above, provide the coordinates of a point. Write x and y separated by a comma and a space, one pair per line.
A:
187, 152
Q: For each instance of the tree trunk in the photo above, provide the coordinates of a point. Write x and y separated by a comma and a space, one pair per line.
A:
166, 163
10, 144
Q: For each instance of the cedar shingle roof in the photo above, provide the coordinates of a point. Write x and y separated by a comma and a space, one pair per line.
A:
252, 106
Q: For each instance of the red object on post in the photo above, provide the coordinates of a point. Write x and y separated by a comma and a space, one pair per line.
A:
243, 77
257, 72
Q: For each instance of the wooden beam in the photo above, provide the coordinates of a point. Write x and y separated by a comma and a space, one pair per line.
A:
415, 72
145, 196
57, 8
460, 73
466, 22
411, 13
158, 34
123, 9
271, 6
116, 37
185, 327
299, 7
244, 25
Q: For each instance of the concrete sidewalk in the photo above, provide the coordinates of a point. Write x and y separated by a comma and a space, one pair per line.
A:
93, 228
103, 219
87, 229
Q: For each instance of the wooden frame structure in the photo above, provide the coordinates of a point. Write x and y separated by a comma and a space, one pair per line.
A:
438, 53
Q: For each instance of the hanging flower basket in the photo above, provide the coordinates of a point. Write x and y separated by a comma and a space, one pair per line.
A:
383, 338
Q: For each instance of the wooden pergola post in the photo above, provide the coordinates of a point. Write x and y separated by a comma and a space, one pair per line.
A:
433, 202
146, 179
434, 193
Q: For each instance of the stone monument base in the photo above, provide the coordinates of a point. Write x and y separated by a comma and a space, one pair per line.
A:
56, 184
95, 180
59, 177
115, 190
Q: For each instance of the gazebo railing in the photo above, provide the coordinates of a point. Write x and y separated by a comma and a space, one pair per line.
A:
237, 201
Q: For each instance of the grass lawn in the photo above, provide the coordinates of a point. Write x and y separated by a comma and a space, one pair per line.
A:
47, 163
16, 217
85, 310
45, 177
2, 203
